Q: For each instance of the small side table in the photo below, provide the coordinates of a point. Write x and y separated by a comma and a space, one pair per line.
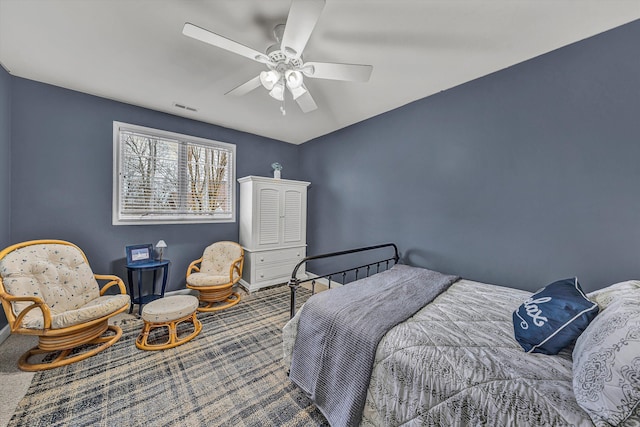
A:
139, 268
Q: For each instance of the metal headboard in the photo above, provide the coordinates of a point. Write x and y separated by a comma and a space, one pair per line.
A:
294, 282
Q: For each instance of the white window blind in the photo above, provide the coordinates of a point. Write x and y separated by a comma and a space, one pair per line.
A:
165, 177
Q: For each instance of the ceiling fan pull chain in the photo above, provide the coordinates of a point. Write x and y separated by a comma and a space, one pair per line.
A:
282, 110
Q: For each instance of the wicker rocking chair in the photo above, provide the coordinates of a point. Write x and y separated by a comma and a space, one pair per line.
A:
48, 290
214, 275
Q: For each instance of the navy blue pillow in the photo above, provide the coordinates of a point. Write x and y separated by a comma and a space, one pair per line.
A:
553, 317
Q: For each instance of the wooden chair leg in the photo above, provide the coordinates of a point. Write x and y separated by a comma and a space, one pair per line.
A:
211, 306
142, 342
101, 342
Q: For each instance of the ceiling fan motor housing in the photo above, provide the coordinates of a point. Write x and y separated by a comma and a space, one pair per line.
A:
281, 62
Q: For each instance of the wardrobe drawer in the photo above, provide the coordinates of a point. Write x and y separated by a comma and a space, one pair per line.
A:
276, 271
279, 255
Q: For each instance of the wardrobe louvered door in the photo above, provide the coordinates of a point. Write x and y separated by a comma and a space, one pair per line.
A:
272, 229
292, 219
268, 216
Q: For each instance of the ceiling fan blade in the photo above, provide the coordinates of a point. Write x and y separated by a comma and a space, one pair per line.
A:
306, 102
333, 71
214, 39
302, 19
245, 88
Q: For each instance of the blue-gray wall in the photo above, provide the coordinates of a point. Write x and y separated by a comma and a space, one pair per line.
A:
519, 178
5, 165
62, 162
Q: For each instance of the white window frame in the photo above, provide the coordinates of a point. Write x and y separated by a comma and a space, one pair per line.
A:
119, 218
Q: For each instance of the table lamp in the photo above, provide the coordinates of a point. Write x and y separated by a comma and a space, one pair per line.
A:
161, 245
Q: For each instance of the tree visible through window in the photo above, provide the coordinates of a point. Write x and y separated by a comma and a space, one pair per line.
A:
163, 177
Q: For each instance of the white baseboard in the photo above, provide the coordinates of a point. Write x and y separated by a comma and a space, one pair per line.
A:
266, 283
4, 333
308, 275
257, 286
182, 292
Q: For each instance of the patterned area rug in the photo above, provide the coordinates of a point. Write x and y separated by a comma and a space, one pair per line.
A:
229, 375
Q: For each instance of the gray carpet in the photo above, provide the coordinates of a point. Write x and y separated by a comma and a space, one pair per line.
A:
15, 382
230, 375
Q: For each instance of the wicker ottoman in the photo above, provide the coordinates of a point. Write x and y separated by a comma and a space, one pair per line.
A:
169, 312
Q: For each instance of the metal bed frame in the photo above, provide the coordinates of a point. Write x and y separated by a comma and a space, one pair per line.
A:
295, 283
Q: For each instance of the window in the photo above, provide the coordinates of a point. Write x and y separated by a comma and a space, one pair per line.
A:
163, 177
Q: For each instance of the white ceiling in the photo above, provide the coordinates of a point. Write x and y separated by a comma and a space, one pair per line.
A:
134, 51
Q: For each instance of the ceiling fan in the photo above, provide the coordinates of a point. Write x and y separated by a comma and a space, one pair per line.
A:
286, 68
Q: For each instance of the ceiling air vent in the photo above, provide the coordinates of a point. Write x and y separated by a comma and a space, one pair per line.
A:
184, 107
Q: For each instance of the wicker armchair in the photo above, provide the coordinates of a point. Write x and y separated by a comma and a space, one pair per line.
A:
214, 275
48, 289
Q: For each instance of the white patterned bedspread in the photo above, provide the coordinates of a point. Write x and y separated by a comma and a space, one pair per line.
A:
455, 362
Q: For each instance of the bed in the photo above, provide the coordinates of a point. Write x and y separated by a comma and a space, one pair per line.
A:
455, 361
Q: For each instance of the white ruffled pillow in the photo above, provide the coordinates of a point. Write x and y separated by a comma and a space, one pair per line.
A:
606, 363
605, 296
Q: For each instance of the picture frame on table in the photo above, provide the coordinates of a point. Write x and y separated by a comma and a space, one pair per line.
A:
139, 254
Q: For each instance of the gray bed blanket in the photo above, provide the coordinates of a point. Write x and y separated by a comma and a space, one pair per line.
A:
339, 331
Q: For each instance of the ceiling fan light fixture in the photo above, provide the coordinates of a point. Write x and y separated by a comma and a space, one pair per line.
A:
277, 91
293, 79
297, 91
269, 79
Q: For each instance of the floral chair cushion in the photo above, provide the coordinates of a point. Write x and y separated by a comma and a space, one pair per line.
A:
94, 309
61, 277
205, 279
217, 258
606, 364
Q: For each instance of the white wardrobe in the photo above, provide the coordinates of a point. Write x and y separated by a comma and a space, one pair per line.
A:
273, 229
